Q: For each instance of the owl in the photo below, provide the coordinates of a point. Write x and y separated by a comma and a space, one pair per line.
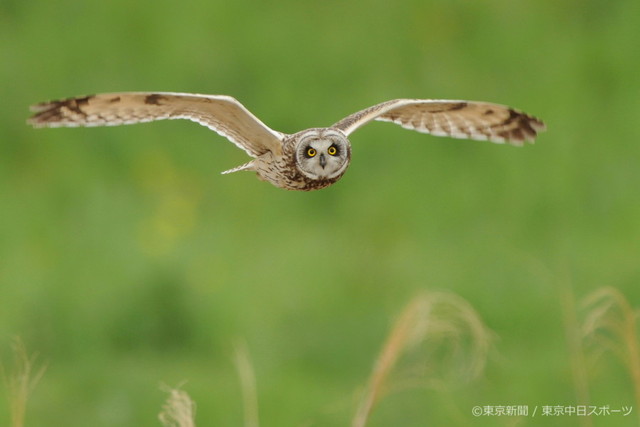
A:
308, 160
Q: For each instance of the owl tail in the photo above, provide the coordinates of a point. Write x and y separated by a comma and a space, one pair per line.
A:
249, 166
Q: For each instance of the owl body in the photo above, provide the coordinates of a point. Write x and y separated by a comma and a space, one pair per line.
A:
312, 159
309, 160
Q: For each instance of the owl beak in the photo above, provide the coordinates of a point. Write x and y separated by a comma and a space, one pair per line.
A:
323, 160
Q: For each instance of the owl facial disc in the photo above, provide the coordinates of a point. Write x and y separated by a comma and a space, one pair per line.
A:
322, 154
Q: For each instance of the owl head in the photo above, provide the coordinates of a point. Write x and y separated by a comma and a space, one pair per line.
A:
322, 154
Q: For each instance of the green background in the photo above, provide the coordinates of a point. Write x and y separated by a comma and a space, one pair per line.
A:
127, 260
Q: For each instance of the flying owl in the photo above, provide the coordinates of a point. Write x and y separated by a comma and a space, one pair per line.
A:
308, 160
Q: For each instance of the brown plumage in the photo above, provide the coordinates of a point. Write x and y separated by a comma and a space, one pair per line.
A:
308, 160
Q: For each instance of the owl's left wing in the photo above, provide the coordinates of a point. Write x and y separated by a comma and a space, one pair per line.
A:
222, 114
458, 119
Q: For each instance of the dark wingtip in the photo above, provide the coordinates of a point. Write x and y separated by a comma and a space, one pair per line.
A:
528, 128
49, 113
39, 109
44, 112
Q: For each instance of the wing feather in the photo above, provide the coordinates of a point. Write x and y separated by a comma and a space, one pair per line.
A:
222, 114
458, 119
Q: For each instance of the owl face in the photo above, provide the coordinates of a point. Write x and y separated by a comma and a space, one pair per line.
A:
322, 154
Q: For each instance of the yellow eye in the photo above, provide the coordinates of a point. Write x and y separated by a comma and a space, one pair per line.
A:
311, 152
332, 150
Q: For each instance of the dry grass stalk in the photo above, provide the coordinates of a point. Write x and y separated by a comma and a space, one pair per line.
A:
178, 410
578, 363
247, 384
430, 315
610, 322
20, 381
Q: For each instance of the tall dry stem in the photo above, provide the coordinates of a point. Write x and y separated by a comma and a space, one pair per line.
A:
248, 384
611, 323
20, 381
429, 315
576, 353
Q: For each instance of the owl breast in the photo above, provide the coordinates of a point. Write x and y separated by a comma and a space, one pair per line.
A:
282, 172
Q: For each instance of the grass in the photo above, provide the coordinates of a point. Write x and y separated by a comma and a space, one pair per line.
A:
432, 315
607, 323
427, 317
179, 410
602, 322
610, 324
247, 377
577, 357
20, 381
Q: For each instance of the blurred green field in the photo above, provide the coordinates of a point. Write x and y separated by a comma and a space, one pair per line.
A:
127, 260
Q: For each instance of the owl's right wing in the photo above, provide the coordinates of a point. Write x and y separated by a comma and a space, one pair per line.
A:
222, 114
457, 119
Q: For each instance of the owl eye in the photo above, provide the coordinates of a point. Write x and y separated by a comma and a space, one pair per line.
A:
332, 150
311, 152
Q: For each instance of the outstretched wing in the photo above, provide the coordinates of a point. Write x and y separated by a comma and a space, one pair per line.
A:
457, 119
223, 114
